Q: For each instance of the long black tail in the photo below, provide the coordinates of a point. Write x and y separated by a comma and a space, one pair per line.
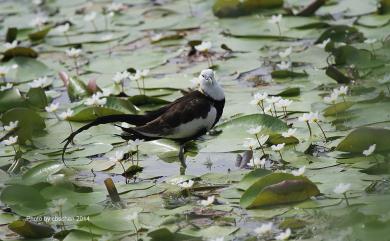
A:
131, 119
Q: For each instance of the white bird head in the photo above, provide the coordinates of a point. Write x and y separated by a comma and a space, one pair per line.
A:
210, 86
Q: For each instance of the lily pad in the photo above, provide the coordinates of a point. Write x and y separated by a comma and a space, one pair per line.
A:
278, 188
360, 139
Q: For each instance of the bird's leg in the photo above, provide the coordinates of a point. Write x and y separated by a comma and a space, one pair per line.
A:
182, 160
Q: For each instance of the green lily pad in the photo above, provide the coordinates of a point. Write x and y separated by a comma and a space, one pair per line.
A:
29, 122
31, 230
278, 188
40, 172
360, 139
337, 108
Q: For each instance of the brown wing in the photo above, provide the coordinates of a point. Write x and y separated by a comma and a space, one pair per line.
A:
183, 110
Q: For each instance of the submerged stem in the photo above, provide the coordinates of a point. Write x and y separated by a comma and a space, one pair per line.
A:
323, 132
308, 126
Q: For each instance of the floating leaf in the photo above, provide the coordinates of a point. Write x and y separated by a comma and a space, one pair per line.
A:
234, 8
341, 33
10, 99
278, 188
290, 92
19, 52
77, 89
337, 108
337, 75
37, 98
279, 139
29, 122
360, 139
282, 74
28, 229
11, 35
24, 200
361, 58
39, 35
164, 234
90, 113
250, 178
41, 172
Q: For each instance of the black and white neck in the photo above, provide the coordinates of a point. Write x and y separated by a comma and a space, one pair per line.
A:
210, 86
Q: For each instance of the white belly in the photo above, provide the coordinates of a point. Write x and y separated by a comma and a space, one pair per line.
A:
191, 128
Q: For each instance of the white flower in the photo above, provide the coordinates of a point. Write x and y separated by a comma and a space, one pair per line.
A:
59, 202
156, 37
343, 90
306, 117
278, 147
210, 200
258, 97
143, 73
299, 172
54, 210
90, 17
370, 41
257, 162
263, 139
10, 141
73, 53
11, 126
135, 142
117, 157
4, 70
52, 107
250, 143
204, 46
119, 77
276, 19
217, 239
284, 235
254, 130
12, 45
285, 53
290, 132
268, 109
187, 184
284, 65
39, 21
66, 114
315, 117
132, 216
324, 43
370, 150
6, 87
140, 74
115, 7
265, 228
176, 180
96, 100
61, 29
284, 103
273, 99
39, 83
332, 98
342, 188
310, 117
